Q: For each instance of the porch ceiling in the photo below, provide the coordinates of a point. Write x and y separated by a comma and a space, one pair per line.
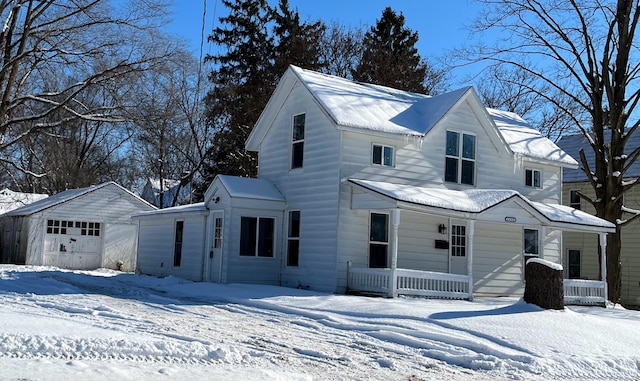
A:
471, 204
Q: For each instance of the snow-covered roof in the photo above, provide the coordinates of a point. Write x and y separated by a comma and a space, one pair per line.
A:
63, 197
382, 109
10, 200
526, 140
246, 187
377, 108
477, 201
198, 207
573, 143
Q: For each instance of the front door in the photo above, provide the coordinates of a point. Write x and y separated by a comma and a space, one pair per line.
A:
458, 249
215, 252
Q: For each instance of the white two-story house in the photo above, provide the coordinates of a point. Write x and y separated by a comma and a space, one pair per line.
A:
366, 188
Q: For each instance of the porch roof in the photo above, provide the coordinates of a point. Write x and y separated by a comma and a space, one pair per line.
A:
472, 203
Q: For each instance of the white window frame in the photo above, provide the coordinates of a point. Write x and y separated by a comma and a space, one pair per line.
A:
532, 172
575, 205
568, 263
295, 142
458, 240
382, 162
291, 237
257, 238
382, 243
460, 159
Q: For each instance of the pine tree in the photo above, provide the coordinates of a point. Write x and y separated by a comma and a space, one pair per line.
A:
258, 43
390, 57
239, 89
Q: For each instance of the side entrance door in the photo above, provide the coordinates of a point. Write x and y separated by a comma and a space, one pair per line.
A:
458, 248
215, 251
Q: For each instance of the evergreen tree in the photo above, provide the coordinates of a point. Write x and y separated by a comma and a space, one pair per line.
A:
389, 56
258, 44
240, 86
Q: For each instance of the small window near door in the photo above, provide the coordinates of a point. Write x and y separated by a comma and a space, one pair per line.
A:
574, 258
574, 199
532, 178
217, 233
458, 241
293, 246
177, 248
531, 246
378, 240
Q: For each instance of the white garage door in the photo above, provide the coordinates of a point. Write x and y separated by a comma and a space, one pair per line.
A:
73, 244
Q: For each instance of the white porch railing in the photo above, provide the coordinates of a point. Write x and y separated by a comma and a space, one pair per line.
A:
409, 282
584, 292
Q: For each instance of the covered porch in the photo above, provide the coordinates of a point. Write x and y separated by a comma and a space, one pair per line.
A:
471, 214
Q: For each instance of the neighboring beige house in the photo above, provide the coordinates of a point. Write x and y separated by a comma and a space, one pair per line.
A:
366, 188
580, 251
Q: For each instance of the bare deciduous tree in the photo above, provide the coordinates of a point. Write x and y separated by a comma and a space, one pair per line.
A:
54, 52
586, 52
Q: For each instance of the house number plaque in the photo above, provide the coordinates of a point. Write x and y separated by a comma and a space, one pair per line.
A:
510, 219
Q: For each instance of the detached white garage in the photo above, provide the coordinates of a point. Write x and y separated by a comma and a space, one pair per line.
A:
79, 229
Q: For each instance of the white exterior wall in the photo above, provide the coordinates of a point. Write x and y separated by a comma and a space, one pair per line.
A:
110, 206
246, 269
312, 189
156, 239
497, 260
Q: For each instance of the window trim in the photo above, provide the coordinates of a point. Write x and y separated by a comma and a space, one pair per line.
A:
256, 243
533, 172
293, 238
460, 159
178, 244
379, 243
568, 263
382, 155
575, 205
295, 142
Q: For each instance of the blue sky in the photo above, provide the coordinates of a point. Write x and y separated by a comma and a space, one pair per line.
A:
440, 23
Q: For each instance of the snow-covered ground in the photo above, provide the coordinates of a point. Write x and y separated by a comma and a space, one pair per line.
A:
61, 325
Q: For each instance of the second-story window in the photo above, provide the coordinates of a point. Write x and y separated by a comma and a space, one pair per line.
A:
574, 199
532, 178
297, 141
460, 160
382, 155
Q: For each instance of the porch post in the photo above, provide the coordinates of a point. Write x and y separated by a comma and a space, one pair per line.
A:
393, 287
603, 263
470, 258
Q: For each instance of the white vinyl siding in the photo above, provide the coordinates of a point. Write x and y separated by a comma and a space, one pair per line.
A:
319, 177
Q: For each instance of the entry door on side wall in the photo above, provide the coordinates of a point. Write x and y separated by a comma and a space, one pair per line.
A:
215, 253
458, 249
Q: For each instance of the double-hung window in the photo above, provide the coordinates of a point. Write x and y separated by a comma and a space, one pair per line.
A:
532, 178
531, 246
460, 158
378, 240
574, 199
256, 236
293, 246
382, 155
297, 141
